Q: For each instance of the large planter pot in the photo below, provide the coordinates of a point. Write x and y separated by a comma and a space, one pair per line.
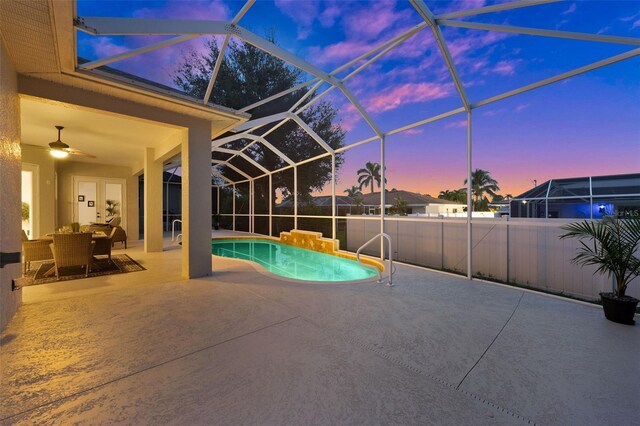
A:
619, 309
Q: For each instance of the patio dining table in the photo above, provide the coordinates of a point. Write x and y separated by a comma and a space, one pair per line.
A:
97, 238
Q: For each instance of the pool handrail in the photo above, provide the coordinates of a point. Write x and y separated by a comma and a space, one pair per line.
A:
380, 235
173, 230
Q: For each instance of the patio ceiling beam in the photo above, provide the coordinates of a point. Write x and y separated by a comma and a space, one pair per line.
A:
244, 156
494, 8
223, 49
430, 19
232, 167
311, 133
100, 62
560, 77
634, 41
142, 26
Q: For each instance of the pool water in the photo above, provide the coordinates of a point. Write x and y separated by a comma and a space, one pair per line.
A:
293, 262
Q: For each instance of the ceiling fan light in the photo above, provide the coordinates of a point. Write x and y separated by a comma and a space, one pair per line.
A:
58, 153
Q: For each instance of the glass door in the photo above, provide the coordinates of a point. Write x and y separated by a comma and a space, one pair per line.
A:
99, 200
30, 200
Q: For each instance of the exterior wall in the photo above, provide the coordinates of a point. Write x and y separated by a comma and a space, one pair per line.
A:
444, 209
522, 252
68, 169
10, 180
46, 182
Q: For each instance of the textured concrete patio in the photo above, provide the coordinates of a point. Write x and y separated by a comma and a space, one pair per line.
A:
242, 347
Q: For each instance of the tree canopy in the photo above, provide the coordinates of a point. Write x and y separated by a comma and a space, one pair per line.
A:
369, 175
248, 75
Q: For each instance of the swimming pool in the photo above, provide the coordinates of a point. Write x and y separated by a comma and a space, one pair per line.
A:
293, 262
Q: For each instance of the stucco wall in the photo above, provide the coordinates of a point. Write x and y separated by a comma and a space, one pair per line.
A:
67, 169
10, 177
46, 186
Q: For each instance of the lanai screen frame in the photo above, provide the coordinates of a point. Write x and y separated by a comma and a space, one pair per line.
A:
188, 29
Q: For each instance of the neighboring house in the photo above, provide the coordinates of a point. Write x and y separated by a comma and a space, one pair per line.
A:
589, 197
416, 203
322, 205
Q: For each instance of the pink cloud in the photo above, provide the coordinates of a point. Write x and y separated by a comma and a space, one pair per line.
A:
522, 107
303, 13
369, 22
456, 124
504, 68
328, 16
408, 93
349, 117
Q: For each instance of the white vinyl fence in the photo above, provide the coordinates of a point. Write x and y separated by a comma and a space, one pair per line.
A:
518, 251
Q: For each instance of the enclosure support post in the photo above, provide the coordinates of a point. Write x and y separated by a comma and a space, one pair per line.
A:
270, 205
251, 206
382, 195
333, 196
233, 206
469, 199
295, 197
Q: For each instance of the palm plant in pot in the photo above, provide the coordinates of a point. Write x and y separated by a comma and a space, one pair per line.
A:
611, 245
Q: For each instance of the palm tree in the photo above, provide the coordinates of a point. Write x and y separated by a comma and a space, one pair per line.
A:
353, 191
481, 183
369, 175
456, 195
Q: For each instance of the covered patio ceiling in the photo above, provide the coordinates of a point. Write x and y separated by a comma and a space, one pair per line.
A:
112, 139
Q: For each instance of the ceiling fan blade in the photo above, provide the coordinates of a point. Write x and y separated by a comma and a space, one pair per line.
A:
73, 151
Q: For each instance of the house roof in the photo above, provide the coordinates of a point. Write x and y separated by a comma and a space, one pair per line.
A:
584, 186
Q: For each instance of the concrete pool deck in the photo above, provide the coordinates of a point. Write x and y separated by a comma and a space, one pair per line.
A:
242, 348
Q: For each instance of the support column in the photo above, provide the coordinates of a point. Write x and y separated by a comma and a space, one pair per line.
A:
469, 199
152, 202
196, 202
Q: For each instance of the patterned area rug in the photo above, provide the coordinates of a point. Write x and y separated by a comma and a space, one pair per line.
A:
120, 264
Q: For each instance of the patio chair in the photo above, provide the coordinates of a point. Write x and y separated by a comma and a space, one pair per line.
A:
72, 250
103, 245
119, 236
34, 250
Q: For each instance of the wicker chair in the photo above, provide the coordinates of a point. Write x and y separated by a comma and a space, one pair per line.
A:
103, 245
34, 250
120, 234
72, 250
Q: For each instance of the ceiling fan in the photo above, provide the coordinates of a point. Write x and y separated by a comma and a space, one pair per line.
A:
60, 149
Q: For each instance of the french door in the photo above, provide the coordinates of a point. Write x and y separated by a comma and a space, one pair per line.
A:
99, 200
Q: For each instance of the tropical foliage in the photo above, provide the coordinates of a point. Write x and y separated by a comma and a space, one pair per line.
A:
353, 191
455, 195
482, 183
399, 206
25, 211
611, 245
370, 175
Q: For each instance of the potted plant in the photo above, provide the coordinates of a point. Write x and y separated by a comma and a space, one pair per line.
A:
612, 245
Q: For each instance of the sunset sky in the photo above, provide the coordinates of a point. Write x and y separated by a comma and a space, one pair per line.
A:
587, 125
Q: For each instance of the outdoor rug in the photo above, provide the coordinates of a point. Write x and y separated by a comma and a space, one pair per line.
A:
120, 264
